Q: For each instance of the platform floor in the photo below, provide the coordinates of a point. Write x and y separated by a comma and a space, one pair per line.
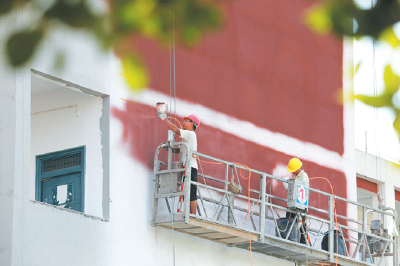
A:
272, 246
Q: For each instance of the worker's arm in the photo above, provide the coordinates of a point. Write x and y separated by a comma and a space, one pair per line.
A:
172, 127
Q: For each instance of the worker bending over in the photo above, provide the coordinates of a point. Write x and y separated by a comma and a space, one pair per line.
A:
294, 166
190, 124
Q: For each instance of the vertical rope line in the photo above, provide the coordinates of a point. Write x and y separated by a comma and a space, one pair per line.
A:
170, 61
173, 230
170, 104
173, 39
376, 114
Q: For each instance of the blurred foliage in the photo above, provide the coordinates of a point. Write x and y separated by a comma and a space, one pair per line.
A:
376, 20
115, 29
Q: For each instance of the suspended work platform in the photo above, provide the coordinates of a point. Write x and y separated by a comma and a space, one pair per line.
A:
235, 219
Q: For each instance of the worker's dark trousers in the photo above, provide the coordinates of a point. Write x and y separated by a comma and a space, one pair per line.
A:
303, 229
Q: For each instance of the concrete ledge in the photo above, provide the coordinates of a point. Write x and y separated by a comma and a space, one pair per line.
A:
71, 211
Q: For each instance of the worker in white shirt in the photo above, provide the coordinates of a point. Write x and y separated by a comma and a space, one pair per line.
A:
190, 124
294, 166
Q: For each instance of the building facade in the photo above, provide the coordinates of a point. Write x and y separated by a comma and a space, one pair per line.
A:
76, 161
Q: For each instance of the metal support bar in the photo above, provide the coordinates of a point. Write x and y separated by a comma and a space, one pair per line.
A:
331, 228
230, 197
253, 223
169, 208
291, 228
169, 159
230, 193
231, 200
198, 209
263, 186
395, 253
344, 240
231, 210
168, 195
248, 214
226, 177
319, 231
364, 229
219, 205
156, 182
369, 251
202, 203
187, 180
220, 212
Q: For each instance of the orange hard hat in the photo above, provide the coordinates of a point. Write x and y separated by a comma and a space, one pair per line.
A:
194, 118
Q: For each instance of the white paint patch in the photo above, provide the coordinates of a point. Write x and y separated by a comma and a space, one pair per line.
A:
247, 131
280, 170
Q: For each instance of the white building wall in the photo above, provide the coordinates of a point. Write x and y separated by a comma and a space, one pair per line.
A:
14, 132
63, 129
7, 150
386, 175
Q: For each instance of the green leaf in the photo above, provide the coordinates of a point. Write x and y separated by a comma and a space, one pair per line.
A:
135, 72
379, 101
59, 60
389, 37
137, 12
22, 45
357, 68
392, 80
396, 123
5, 6
317, 18
75, 14
359, 37
191, 36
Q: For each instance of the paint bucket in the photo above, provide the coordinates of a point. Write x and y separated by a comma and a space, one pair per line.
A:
162, 107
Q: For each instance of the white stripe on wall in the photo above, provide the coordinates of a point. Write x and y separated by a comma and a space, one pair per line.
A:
246, 130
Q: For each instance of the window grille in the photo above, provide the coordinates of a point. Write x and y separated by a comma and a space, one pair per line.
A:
62, 163
60, 178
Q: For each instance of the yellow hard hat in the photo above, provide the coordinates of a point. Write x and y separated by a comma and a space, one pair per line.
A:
294, 165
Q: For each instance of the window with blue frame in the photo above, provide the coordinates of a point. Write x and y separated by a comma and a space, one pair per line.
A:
60, 178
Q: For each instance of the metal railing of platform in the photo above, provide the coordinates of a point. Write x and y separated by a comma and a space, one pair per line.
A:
263, 213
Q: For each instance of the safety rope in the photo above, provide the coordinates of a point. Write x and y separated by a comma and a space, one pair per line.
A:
170, 101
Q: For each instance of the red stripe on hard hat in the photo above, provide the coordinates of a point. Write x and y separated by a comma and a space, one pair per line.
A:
194, 119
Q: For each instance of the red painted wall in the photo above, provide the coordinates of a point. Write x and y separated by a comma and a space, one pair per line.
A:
367, 185
265, 67
397, 195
